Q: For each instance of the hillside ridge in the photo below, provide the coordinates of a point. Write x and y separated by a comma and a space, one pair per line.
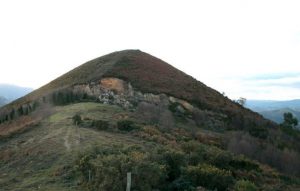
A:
148, 74
129, 111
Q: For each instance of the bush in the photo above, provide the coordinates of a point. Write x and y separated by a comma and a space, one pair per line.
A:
244, 164
174, 161
108, 168
259, 132
244, 185
100, 124
126, 125
173, 107
77, 119
181, 184
209, 177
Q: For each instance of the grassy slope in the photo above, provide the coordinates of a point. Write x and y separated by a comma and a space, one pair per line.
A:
36, 159
43, 157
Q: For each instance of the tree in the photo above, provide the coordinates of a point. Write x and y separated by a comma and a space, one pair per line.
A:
241, 101
289, 120
12, 114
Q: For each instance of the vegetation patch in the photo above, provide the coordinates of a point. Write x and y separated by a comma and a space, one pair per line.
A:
77, 119
127, 125
209, 177
162, 168
259, 132
100, 124
245, 185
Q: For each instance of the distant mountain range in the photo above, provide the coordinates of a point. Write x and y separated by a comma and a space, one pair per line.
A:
3, 100
9, 93
274, 110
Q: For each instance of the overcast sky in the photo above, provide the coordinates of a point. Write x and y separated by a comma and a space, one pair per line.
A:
246, 49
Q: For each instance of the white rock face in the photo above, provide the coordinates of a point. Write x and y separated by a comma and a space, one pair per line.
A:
186, 105
118, 92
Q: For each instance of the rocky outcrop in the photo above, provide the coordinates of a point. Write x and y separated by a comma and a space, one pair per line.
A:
186, 105
118, 92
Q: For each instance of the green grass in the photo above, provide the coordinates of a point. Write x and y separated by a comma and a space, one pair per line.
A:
44, 158
38, 154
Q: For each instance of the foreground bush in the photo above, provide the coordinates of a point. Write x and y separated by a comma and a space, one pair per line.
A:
100, 124
244, 185
108, 170
126, 125
209, 177
184, 168
77, 119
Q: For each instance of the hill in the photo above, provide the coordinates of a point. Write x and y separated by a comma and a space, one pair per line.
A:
274, 110
3, 101
266, 105
277, 115
9, 93
150, 75
131, 112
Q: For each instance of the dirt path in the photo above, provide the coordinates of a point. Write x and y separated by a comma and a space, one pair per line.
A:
72, 138
67, 139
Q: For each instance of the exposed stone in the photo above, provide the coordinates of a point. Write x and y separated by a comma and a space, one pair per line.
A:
180, 109
185, 104
113, 84
118, 92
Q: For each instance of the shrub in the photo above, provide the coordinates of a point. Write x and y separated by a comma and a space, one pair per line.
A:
174, 161
77, 119
173, 107
84, 165
244, 185
209, 177
126, 125
149, 113
259, 132
108, 168
181, 184
100, 124
190, 146
244, 164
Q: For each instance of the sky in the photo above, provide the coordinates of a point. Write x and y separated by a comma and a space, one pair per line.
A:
243, 48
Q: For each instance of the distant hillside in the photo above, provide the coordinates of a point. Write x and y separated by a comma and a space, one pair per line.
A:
265, 105
12, 92
3, 101
277, 115
129, 112
274, 110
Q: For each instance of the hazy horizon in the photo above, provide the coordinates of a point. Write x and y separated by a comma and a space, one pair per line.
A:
243, 48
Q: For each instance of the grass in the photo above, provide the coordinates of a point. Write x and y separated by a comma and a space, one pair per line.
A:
31, 160
44, 157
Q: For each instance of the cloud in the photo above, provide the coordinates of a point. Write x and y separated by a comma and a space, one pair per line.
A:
274, 76
288, 81
271, 86
296, 85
